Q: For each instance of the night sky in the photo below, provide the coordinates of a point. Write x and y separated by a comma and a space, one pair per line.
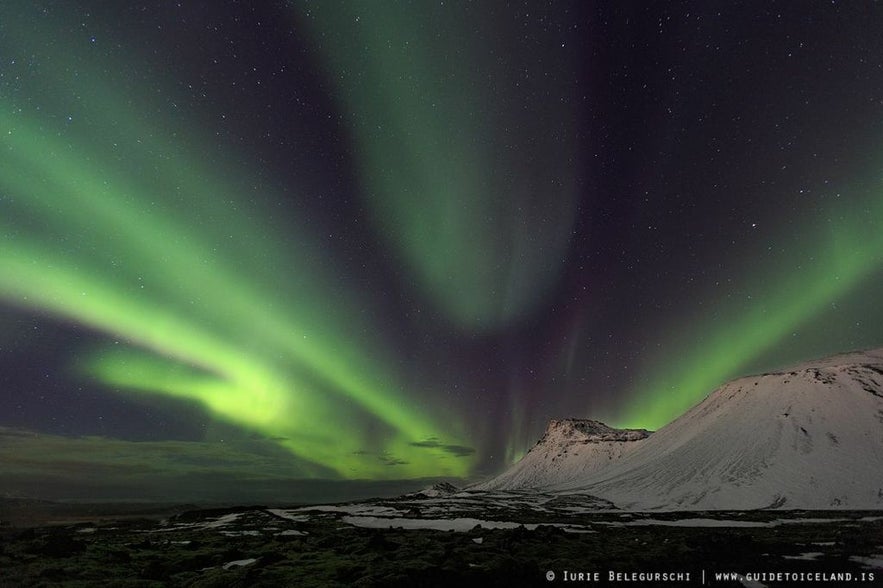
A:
259, 242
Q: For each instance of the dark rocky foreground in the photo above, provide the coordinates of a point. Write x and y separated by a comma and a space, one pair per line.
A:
325, 546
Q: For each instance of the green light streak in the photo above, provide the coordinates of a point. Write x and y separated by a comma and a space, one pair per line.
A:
469, 163
146, 244
845, 254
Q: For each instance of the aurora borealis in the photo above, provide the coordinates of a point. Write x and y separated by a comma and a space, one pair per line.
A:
200, 321
484, 247
390, 244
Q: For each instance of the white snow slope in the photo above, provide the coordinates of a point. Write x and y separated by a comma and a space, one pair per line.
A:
810, 437
570, 450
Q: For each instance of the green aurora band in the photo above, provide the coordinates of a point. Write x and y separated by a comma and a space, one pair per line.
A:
847, 252
112, 219
468, 149
120, 215
462, 211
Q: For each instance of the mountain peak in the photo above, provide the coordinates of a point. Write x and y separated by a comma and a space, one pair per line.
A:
437, 490
807, 437
568, 450
587, 431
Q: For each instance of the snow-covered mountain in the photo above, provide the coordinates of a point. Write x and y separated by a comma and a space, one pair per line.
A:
570, 450
810, 437
436, 491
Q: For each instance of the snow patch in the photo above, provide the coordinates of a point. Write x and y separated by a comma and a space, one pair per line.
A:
287, 514
687, 523
239, 563
809, 556
357, 510
457, 524
871, 563
220, 521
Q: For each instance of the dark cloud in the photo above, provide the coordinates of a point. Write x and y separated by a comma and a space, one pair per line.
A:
458, 450
384, 458
428, 442
455, 450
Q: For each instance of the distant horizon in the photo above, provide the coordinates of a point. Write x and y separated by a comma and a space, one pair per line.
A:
87, 473
96, 470
282, 493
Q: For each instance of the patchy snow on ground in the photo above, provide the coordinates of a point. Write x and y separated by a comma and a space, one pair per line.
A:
239, 563
356, 510
220, 521
685, 523
872, 563
244, 533
808, 521
456, 524
809, 556
288, 515
460, 524
703, 522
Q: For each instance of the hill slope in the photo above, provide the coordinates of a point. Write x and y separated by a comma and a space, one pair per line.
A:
570, 450
810, 437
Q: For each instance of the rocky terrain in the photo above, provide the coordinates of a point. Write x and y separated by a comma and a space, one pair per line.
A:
463, 538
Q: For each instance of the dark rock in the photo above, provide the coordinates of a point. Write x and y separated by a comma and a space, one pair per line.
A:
59, 546
379, 541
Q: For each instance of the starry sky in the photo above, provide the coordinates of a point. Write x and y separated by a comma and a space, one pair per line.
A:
293, 249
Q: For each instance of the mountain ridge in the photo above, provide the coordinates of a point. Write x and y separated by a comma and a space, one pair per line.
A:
810, 436
569, 448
